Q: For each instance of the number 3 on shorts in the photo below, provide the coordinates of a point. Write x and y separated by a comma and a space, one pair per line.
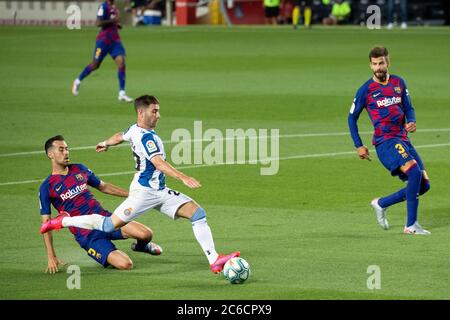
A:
400, 148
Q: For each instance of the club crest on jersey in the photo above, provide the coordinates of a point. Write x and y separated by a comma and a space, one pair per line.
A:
397, 90
151, 146
79, 177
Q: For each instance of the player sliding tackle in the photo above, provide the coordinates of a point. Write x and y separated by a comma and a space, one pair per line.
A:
148, 189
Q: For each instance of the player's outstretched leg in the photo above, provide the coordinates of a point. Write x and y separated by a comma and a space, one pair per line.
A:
77, 82
90, 222
55, 223
203, 234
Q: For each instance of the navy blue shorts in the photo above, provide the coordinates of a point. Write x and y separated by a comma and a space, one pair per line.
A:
114, 49
394, 153
98, 245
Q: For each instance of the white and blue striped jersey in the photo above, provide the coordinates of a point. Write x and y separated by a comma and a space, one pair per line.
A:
146, 144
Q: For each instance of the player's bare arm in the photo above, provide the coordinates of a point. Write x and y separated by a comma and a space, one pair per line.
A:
102, 23
53, 261
363, 153
113, 190
112, 141
163, 166
410, 127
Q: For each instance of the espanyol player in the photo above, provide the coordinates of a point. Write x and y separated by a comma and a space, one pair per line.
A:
67, 189
387, 101
148, 189
107, 42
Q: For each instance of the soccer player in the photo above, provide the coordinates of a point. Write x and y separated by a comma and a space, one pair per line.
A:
107, 42
148, 189
67, 190
387, 101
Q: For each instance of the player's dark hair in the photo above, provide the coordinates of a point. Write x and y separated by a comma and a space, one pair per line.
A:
144, 101
378, 52
49, 142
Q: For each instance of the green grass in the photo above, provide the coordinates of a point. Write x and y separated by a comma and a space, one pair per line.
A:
307, 231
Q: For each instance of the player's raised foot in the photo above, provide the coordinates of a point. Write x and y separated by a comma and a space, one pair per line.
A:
151, 248
380, 213
55, 223
416, 229
124, 98
217, 266
76, 87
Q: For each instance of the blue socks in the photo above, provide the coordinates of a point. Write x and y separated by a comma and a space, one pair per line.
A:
416, 186
121, 75
412, 193
400, 195
85, 72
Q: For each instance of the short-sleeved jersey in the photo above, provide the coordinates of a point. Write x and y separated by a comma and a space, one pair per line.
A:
388, 106
70, 193
145, 144
109, 33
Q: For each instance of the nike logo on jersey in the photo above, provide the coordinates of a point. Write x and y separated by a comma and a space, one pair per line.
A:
58, 187
376, 94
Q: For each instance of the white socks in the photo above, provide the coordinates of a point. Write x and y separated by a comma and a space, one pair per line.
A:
204, 237
91, 222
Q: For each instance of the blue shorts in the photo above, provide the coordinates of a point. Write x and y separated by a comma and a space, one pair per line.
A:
394, 153
98, 245
114, 49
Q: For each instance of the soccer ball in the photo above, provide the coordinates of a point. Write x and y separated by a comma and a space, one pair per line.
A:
236, 270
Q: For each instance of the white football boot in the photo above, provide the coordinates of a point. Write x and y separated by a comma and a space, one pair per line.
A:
76, 87
380, 213
416, 229
124, 98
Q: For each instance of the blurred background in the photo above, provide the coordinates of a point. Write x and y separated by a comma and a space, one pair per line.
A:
232, 12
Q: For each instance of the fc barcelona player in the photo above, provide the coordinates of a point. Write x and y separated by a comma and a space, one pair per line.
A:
107, 42
387, 101
67, 190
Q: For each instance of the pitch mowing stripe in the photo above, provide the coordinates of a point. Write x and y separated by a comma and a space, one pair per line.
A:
303, 156
283, 136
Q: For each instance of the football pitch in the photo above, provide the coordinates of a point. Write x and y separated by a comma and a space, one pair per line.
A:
307, 231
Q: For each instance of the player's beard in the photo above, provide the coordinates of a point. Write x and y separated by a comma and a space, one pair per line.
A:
381, 75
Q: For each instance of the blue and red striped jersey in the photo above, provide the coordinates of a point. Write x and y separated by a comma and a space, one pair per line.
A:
71, 193
109, 33
389, 107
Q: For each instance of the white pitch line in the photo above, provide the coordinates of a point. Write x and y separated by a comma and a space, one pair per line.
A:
300, 135
302, 156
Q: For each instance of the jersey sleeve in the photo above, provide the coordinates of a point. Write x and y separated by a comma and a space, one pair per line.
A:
93, 180
406, 102
126, 135
44, 199
359, 103
150, 146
